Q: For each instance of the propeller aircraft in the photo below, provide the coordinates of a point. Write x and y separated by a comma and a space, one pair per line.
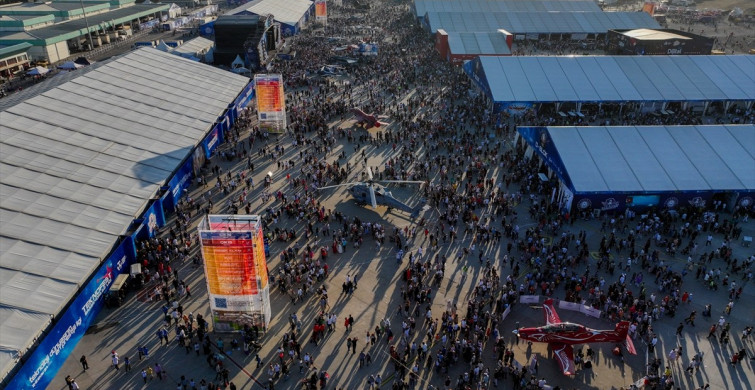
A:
560, 336
368, 121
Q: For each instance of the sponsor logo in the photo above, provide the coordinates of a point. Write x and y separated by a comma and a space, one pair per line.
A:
697, 201
610, 204
745, 202
671, 202
584, 204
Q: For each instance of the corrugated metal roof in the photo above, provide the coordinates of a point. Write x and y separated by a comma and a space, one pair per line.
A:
616, 78
78, 27
194, 46
540, 22
287, 12
80, 156
478, 43
422, 7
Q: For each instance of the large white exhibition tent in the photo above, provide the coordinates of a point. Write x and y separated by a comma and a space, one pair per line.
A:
637, 159
80, 157
288, 12
615, 78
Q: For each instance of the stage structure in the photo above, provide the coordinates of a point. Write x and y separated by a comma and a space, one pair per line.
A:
271, 102
321, 11
236, 271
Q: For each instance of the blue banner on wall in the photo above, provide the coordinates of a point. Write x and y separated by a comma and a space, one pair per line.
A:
153, 219
244, 97
41, 367
540, 140
474, 70
180, 182
212, 141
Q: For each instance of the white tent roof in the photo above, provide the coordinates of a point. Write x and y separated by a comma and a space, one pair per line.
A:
478, 43
80, 157
619, 78
540, 22
421, 7
287, 12
194, 47
657, 158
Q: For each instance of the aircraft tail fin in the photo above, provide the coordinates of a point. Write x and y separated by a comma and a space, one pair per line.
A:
622, 328
418, 208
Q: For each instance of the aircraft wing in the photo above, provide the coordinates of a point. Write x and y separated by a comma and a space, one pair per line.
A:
564, 354
551, 317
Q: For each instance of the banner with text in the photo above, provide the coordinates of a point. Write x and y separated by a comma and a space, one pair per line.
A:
230, 269
48, 357
321, 11
529, 299
271, 102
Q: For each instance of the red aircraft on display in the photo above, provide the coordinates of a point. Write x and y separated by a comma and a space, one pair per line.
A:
367, 120
560, 336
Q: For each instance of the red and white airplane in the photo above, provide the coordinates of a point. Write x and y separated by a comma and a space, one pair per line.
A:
560, 336
367, 120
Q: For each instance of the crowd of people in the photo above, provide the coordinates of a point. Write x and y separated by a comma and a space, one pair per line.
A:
480, 190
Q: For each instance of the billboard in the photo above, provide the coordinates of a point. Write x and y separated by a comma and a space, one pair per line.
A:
321, 11
230, 269
271, 102
233, 250
42, 365
270, 98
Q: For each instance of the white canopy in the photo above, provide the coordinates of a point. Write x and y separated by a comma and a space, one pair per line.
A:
636, 159
616, 78
81, 155
288, 12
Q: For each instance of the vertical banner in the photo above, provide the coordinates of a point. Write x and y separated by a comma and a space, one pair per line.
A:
230, 269
235, 268
271, 104
244, 97
154, 218
321, 11
212, 141
42, 365
180, 182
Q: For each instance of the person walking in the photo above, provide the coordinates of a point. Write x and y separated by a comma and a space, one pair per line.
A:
84, 363
115, 360
691, 319
712, 332
679, 329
